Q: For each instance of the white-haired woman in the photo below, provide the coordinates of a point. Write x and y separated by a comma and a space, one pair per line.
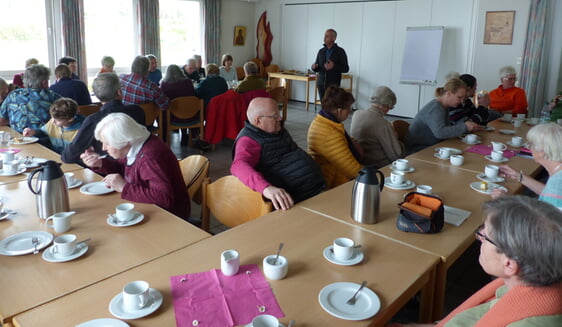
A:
142, 167
374, 133
545, 142
507, 98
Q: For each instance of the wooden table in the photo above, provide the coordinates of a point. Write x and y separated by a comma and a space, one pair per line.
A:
395, 272
29, 281
289, 77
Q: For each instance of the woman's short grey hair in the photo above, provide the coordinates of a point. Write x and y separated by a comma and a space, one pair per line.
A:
107, 61
212, 69
528, 231
384, 96
105, 86
140, 65
35, 75
250, 68
506, 71
173, 74
119, 130
546, 138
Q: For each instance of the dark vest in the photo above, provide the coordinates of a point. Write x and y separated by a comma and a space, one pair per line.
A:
284, 164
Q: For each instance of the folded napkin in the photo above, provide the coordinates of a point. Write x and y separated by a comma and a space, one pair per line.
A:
213, 299
487, 150
455, 216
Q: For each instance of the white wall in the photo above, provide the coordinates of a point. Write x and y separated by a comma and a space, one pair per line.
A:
234, 13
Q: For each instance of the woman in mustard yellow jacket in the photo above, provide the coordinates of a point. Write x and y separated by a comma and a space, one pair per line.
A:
328, 142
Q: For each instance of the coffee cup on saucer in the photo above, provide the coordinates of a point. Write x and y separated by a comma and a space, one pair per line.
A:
497, 155
11, 167
401, 164
491, 171
135, 295
456, 159
471, 138
521, 116
517, 140
70, 180
124, 212
344, 248
507, 117
65, 245
444, 153
265, 321
498, 146
8, 156
275, 269
397, 177
517, 122
425, 189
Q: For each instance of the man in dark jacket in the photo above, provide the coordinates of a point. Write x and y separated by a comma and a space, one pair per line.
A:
330, 63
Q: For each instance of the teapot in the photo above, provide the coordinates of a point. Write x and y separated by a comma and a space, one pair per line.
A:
51, 190
365, 197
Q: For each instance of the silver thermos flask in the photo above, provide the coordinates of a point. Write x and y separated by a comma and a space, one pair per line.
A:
51, 191
365, 197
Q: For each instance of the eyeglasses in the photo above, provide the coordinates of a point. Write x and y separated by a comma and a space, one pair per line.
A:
276, 116
481, 237
510, 78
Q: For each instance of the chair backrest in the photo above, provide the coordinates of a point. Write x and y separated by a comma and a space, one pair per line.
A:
261, 68
240, 73
185, 107
272, 69
89, 109
232, 202
401, 128
195, 169
152, 113
277, 94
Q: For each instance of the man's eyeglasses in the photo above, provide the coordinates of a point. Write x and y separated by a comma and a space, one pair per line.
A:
276, 116
481, 237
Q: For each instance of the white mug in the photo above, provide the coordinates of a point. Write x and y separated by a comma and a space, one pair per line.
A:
471, 138
275, 271
60, 222
230, 262
491, 171
265, 321
517, 122
8, 156
135, 295
65, 245
497, 155
498, 146
517, 140
70, 180
401, 164
444, 153
344, 248
124, 212
425, 189
521, 116
456, 160
507, 117
11, 166
397, 177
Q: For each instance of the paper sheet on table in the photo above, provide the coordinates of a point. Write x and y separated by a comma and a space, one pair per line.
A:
455, 216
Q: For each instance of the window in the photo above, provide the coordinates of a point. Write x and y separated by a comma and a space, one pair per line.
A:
180, 31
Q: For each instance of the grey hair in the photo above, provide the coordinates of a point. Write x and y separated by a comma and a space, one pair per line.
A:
250, 68
173, 74
212, 69
384, 96
35, 75
528, 231
31, 61
107, 61
119, 130
506, 71
140, 65
547, 138
106, 86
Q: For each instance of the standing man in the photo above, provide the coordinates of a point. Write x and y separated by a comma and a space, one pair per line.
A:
330, 63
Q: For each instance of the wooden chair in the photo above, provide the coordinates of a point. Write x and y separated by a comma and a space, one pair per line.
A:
153, 115
279, 95
261, 68
89, 109
240, 73
231, 202
401, 128
183, 108
195, 169
271, 69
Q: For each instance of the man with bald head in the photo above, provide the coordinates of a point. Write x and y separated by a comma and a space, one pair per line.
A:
268, 161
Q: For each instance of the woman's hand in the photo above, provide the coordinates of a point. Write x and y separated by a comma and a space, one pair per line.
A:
507, 171
498, 192
115, 181
472, 126
91, 158
27, 132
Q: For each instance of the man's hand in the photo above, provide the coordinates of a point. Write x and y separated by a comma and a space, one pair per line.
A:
115, 181
314, 66
329, 65
280, 198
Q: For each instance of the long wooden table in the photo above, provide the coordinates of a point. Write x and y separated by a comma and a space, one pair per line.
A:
394, 271
289, 77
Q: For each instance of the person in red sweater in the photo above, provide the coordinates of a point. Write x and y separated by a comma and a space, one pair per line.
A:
507, 98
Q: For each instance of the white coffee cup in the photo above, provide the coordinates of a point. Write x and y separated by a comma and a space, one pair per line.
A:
521, 116
535, 120
471, 138
230, 262
265, 321
498, 146
517, 122
65, 245
124, 212
444, 153
8, 156
275, 271
456, 160
491, 171
135, 295
70, 180
11, 166
507, 117
517, 140
61, 222
401, 164
344, 248
425, 189
397, 177
497, 155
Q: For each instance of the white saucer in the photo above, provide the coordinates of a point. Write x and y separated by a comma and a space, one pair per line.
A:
488, 157
483, 177
333, 299
77, 183
96, 188
436, 155
405, 186
407, 170
470, 143
35, 162
452, 150
355, 259
104, 322
154, 302
489, 128
51, 256
12, 173
476, 186
513, 145
507, 131
112, 220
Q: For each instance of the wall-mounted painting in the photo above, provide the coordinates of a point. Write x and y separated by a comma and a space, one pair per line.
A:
239, 35
499, 27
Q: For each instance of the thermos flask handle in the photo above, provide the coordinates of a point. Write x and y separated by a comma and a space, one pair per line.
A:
30, 178
381, 181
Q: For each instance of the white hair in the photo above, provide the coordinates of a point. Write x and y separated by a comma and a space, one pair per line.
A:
119, 130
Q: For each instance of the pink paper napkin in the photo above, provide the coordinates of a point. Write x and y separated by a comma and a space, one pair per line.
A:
15, 150
215, 300
487, 149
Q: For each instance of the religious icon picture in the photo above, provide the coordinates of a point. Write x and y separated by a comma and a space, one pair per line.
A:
239, 35
499, 27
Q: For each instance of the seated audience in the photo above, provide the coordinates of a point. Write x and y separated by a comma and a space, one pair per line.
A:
63, 126
556, 108
190, 70
374, 133
199, 65
154, 74
141, 167
467, 110
212, 86
545, 142
18, 78
226, 70
107, 89
70, 88
136, 87
72, 63
431, 125
107, 64
507, 98
252, 81
29, 106
4, 90
328, 142
520, 240
268, 161
175, 84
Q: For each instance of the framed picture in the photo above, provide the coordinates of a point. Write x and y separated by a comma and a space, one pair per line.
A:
499, 27
239, 35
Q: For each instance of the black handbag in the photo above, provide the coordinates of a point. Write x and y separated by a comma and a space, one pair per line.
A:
421, 213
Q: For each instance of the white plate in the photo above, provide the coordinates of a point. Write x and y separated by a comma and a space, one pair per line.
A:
333, 299
407, 170
77, 182
355, 259
96, 188
436, 155
112, 220
405, 186
488, 157
50, 255
20, 243
12, 173
104, 322
476, 186
513, 145
483, 177
154, 302
452, 150
507, 131
25, 140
